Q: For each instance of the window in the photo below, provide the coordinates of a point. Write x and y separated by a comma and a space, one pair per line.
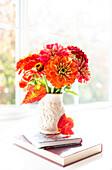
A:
80, 23
93, 35
29, 25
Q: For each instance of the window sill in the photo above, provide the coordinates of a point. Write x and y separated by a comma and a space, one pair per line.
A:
14, 112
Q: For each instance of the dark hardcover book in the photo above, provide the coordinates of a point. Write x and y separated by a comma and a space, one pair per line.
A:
42, 141
63, 155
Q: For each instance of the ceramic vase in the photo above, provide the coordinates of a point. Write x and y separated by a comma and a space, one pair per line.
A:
50, 110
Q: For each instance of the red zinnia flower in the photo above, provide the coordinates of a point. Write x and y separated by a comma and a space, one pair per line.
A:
30, 65
28, 75
27, 63
80, 58
83, 70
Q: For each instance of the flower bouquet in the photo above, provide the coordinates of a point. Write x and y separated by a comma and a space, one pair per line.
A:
53, 70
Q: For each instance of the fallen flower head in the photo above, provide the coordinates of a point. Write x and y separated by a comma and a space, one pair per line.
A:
65, 125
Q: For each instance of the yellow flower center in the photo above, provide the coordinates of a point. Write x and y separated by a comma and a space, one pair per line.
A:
39, 66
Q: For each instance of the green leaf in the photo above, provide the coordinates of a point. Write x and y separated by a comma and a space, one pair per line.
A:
32, 82
35, 76
42, 82
46, 84
67, 87
70, 92
51, 57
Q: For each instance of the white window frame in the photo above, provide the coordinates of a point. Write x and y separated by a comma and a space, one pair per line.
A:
21, 42
110, 59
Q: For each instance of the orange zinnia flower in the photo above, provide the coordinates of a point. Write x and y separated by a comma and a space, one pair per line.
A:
61, 71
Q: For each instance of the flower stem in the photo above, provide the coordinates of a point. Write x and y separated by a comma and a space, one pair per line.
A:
61, 90
46, 84
52, 89
58, 90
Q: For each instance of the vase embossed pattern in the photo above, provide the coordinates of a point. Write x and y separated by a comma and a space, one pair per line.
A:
50, 110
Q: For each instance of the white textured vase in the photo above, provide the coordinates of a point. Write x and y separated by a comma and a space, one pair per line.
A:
50, 110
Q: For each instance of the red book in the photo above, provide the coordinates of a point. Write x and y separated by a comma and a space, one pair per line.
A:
61, 155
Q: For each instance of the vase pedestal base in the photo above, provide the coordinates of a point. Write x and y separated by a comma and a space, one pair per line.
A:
48, 132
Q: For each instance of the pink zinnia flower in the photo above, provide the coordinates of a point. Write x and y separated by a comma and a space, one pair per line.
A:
52, 50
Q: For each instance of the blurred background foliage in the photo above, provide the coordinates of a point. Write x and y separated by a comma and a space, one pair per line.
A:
7, 65
7, 53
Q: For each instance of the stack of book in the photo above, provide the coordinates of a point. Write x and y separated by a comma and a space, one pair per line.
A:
60, 149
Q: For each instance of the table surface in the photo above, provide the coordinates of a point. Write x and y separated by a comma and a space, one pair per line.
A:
89, 122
